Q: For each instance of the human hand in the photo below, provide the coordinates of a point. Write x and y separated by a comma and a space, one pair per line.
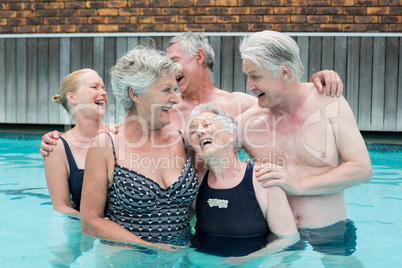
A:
328, 81
166, 247
272, 175
48, 141
237, 260
112, 128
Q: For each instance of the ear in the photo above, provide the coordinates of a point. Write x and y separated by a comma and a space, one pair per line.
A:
133, 96
285, 73
200, 56
71, 98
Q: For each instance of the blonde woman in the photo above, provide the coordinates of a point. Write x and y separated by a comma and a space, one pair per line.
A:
82, 93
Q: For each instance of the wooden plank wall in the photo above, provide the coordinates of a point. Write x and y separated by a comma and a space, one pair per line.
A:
32, 68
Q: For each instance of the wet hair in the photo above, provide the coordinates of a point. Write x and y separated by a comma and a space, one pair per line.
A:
226, 119
70, 84
191, 42
273, 51
139, 69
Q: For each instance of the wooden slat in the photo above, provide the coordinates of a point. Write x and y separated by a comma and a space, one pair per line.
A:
216, 45
11, 97
121, 49
86, 52
365, 83
328, 51
75, 54
32, 84
110, 60
43, 81
227, 63
391, 84
2, 80
65, 66
21, 82
377, 116
352, 90
399, 109
239, 79
303, 43
98, 56
314, 61
340, 58
54, 84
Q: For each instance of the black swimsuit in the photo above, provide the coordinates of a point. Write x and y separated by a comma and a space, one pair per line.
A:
150, 212
230, 221
76, 177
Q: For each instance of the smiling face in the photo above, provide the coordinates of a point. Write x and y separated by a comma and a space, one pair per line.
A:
260, 81
90, 98
190, 69
209, 137
155, 105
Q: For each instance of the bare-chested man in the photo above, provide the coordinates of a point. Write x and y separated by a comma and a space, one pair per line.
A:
311, 140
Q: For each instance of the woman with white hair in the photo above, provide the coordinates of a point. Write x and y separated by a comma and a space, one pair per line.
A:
143, 173
235, 214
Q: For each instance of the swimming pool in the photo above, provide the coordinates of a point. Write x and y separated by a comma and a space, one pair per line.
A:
34, 235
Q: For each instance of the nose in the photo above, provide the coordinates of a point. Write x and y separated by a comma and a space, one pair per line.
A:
174, 98
201, 131
249, 86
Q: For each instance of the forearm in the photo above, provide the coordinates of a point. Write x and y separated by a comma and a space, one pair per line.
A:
103, 228
68, 211
335, 180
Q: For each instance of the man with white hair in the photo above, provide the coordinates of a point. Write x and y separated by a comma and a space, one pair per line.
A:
309, 142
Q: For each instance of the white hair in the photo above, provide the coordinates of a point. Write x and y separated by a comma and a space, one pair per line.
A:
191, 42
139, 68
226, 119
273, 51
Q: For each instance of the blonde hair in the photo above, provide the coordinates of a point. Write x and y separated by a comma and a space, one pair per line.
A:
70, 84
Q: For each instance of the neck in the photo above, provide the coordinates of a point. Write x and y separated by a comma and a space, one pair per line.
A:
224, 168
201, 89
85, 129
294, 96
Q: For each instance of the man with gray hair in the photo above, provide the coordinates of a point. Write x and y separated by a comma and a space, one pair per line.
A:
195, 54
309, 142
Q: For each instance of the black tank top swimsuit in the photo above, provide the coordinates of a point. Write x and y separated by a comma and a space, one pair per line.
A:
76, 177
150, 212
230, 221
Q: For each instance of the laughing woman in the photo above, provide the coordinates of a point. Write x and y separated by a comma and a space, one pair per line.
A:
143, 173
82, 93
236, 216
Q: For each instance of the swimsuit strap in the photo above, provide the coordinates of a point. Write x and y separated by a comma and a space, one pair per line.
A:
70, 157
114, 153
185, 147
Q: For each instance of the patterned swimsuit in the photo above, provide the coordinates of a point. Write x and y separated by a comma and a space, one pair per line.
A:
150, 212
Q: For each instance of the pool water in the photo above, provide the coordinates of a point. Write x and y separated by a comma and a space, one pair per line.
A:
34, 235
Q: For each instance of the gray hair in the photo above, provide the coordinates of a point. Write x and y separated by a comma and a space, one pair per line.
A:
191, 42
139, 69
273, 51
226, 119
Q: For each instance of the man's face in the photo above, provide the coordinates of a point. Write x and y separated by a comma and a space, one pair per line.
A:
190, 68
261, 82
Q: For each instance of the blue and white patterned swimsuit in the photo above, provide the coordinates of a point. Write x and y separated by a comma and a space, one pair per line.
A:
150, 212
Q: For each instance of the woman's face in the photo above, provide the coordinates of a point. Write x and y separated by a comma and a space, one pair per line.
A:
90, 98
209, 137
155, 105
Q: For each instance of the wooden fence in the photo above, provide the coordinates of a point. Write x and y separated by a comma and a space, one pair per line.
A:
33, 66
